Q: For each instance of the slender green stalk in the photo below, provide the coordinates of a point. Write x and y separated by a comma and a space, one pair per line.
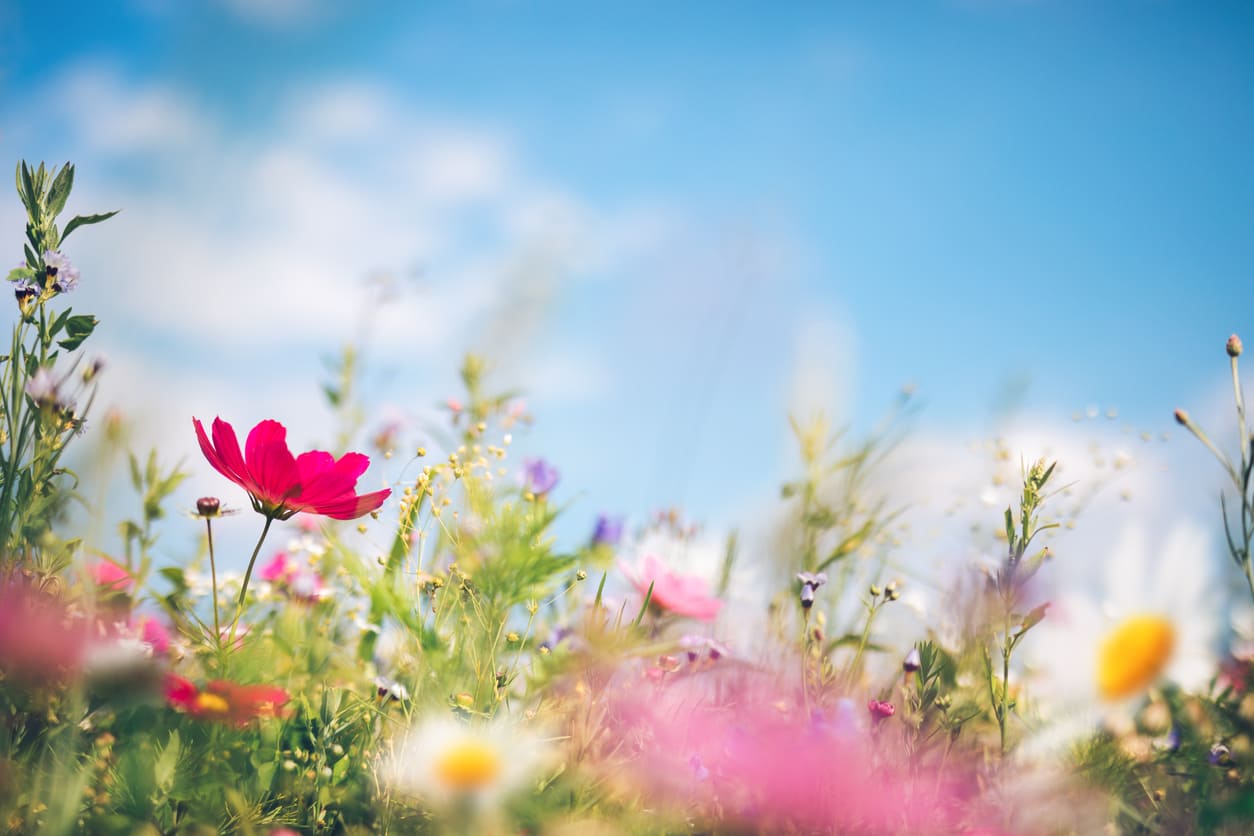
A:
213, 575
248, 573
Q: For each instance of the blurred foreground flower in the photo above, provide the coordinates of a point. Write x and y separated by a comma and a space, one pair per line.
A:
280, 484
1153, 619
40, 641
686, 595
767, 764
225, 702
444, 761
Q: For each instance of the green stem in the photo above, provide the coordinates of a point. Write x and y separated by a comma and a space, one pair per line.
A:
213, 574
866, 634
248, 573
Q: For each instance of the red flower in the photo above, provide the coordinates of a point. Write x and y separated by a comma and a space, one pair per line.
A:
281, 484
224, 701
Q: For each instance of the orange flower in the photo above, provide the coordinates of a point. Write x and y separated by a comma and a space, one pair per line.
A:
225, 702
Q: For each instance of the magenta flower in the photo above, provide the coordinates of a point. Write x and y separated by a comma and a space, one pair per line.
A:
110, 576
686, 595
281, 484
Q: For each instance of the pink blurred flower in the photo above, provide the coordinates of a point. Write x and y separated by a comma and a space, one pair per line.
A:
110, 576
761, 761
280, 484
291, 578
152, 632
40, 641
686, 595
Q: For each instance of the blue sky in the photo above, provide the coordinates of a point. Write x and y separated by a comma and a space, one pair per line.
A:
670, 223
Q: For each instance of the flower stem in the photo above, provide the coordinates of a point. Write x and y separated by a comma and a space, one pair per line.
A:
213, 575
248, 573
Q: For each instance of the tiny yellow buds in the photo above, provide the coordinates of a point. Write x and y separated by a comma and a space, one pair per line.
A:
422, 451
581, 575
512, 637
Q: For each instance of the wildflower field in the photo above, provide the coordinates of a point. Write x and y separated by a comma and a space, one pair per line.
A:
626, 418
475, 676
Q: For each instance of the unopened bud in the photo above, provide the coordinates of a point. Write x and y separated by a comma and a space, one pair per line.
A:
1234, 346
912, 662
880, 711
208, 506
1182, 418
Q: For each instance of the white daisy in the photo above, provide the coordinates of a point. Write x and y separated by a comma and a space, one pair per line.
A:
444, 760
1154, 618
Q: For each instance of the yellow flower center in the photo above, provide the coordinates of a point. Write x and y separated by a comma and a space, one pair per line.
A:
1134, 655
212, 704
468, 765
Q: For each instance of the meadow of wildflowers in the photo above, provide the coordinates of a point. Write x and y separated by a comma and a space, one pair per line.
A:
479, 676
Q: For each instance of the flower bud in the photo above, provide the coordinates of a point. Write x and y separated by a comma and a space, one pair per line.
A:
1220, 755
1234, 346
912, 662
1182, 418
208, 506
880, 711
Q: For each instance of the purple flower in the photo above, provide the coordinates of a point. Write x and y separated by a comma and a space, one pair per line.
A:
809, 585
61, 272
539, 477
609, 531
42, 388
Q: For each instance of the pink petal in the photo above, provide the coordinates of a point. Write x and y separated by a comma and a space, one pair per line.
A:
227, 446
336, 482
351, 507
270, 463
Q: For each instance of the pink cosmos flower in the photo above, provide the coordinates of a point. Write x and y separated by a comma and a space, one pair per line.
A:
280, 484
686, 595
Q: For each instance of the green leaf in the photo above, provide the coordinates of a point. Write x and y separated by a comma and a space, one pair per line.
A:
85, 220
137, 479
60, 191
167, 762
1010, 528
340, 771
19, 273
644, 605
77, 329
27, 191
